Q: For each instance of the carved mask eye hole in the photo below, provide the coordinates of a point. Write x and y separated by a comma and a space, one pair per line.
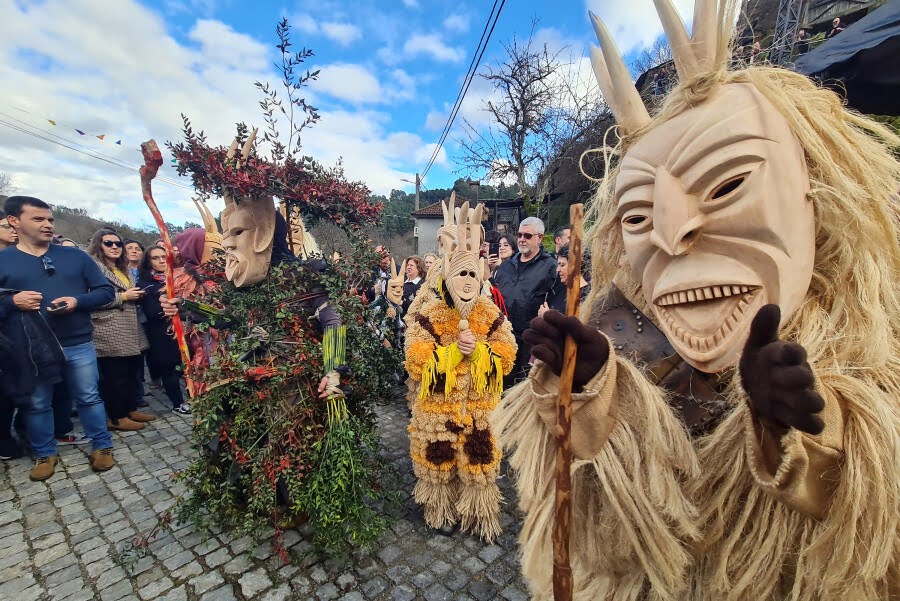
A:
728, 186
637, 221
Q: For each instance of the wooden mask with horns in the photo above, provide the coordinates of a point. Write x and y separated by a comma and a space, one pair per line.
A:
462, 266
248, 226
712, 200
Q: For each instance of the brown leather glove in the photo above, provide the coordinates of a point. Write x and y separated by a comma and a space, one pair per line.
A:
777, 377
547, 337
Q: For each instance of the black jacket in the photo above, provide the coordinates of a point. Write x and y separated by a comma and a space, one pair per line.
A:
163, 355
410, 290
556, 299
524, 287
29, 352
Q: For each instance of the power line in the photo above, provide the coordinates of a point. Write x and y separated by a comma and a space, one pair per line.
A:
467, 81
86, 151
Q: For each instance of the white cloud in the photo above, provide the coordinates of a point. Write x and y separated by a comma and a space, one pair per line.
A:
431, 44
116, 69
635, 25
411, 3
349, 82
342, 33
435, 120
358, 84
457, 22
304, 23
404, 85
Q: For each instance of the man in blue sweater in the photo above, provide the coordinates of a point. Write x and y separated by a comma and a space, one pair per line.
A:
65, 285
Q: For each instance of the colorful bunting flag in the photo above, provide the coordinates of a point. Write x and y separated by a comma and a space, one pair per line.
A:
101, 137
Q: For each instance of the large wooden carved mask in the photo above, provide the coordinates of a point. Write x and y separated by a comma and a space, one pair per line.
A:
248, 233
712, 203
716, 222
248, 229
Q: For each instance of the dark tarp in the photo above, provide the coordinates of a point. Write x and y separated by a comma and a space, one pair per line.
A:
865, 57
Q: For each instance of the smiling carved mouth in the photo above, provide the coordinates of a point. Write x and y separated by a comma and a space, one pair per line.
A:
730, 302
701, 294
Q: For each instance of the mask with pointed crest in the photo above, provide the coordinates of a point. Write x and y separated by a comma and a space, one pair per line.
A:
395, 284
712, 199
447, 232
462, 267
248, 227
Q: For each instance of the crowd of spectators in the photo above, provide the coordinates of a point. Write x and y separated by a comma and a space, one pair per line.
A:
74, 328
93, 319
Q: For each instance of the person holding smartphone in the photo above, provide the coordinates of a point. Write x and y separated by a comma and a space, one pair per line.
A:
62, 286
118, 335
501, 250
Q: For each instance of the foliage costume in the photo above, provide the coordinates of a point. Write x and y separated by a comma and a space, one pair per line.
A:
455, 457
682, 487
285, 445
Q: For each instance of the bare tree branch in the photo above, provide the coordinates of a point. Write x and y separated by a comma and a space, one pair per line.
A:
6, 185
541, 104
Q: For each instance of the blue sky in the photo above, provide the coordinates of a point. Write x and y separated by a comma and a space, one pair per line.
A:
391, 70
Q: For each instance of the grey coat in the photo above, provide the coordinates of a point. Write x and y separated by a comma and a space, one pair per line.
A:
117, 331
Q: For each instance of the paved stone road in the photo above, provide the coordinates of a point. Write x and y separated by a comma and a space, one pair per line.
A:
57, 537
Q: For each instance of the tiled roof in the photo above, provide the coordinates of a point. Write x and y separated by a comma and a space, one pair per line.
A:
434, 210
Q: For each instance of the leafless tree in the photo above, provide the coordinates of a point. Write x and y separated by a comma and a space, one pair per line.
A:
6, 185
539, 102
652, 56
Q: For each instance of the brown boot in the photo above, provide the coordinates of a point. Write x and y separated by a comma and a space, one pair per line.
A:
124, 424
102, 460
43, 468
139, 416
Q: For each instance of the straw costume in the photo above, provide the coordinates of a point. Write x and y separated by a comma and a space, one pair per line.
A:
737, 432
455, 457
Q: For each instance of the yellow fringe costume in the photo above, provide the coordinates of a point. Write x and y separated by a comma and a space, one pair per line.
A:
455, 457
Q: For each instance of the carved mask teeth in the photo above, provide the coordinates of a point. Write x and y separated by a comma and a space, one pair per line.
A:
701, 294
707, 343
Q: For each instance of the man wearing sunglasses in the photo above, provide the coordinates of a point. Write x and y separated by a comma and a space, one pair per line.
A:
61, 286
524, 281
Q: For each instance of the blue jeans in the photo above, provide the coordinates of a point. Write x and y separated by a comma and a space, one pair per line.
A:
62, 410
81, 378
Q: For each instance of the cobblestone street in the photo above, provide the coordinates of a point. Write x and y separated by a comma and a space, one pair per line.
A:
58, 538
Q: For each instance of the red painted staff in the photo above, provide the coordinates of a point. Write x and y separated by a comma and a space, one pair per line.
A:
152, 162
562, 571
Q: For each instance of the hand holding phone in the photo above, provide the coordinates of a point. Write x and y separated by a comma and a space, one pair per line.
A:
57, 307
133, 294
62, 305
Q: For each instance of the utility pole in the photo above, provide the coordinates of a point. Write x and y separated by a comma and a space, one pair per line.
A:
418, 185
416, 221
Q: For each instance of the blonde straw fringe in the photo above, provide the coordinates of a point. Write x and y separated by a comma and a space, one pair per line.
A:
479, 510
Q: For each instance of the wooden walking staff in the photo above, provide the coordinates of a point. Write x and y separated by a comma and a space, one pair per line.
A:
152, 162
562, 570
